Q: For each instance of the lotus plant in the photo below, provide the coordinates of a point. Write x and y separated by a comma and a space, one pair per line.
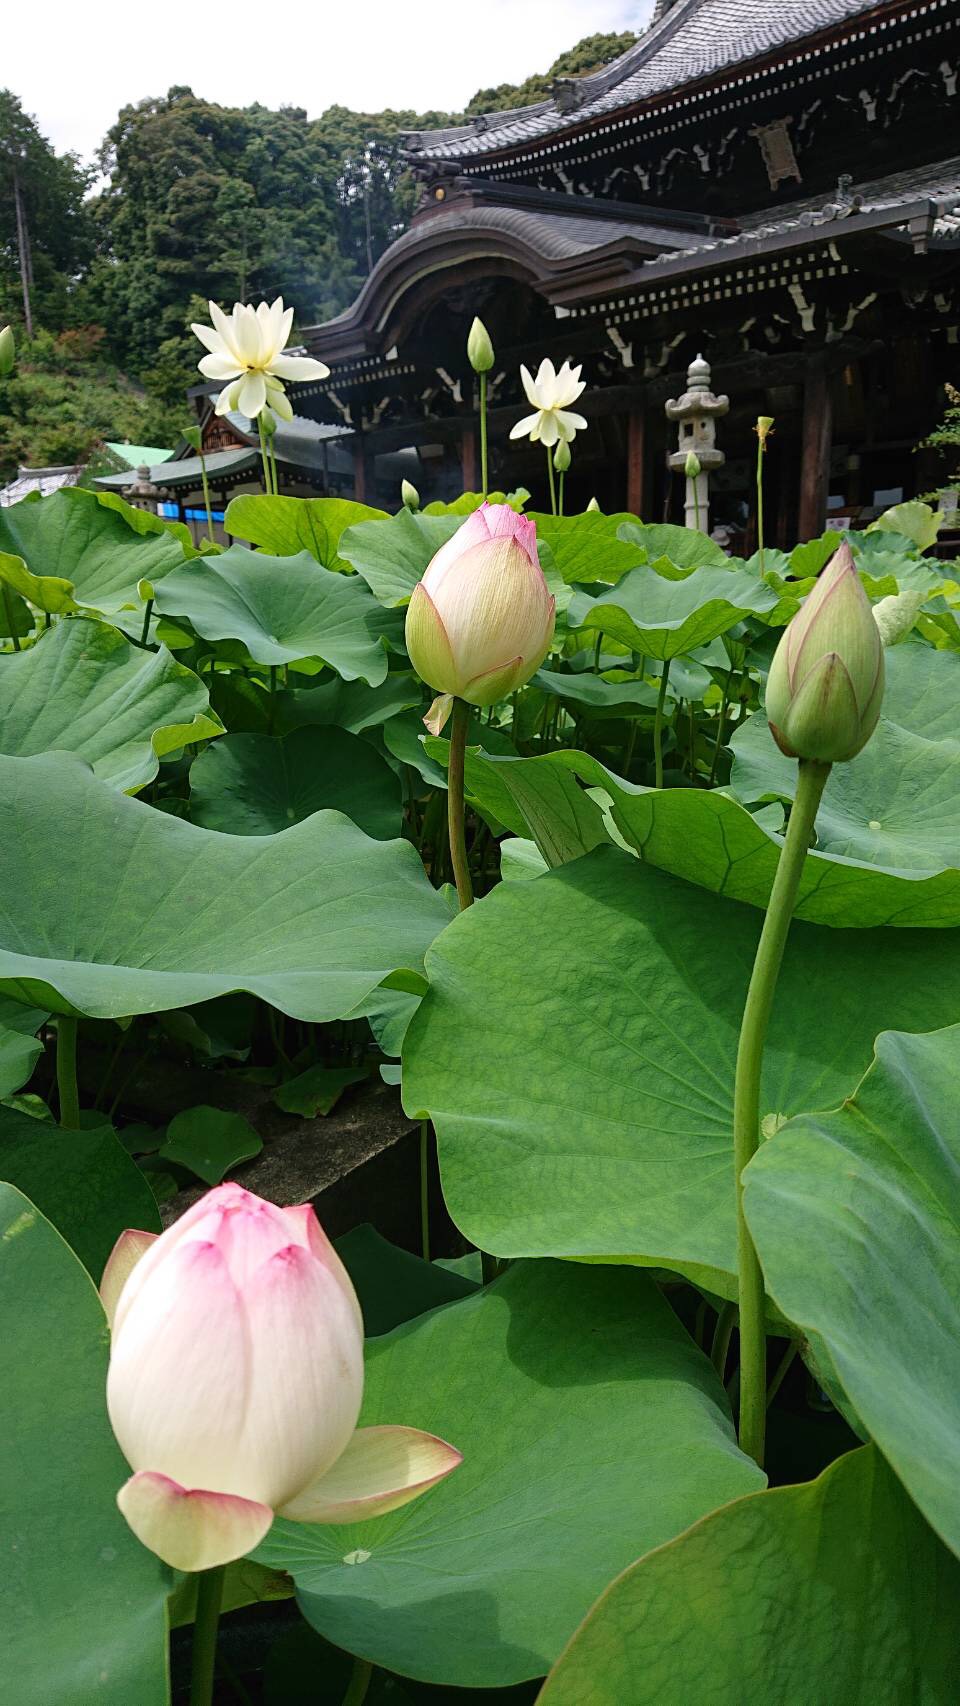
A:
246, 349
823, 699
479, 625
553, 421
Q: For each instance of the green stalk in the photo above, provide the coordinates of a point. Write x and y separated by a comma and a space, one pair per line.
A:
425, 1189
658, 725
760, 500
67, 1071
8, 613
455, 803
265, 458
145, 631
483, 434
553, 490
721, 723
358, 1685
209, 1600
726, 1320
560, 494
811, 781
696, 503
206, 495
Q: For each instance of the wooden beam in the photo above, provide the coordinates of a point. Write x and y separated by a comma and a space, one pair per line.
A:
636, 446
468, 457
817, 434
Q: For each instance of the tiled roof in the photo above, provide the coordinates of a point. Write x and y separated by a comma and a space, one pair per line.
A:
695, 39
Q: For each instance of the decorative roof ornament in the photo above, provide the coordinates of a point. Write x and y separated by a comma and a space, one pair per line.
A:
567, 94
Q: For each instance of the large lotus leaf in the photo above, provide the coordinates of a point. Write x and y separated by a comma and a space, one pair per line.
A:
112, 908
595, 697
683, 548
588, 547
85, 1183
833, 1591
392, 555
19, 1053
661, 618
84, 688
590, 1427
259, 784
913, 520
708, 838
282, 609
856, 1214
84, 1602
898, 804
576, 1054
81, 550
285, 526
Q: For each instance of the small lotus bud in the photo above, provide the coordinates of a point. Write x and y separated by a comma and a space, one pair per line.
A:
825, 685
8, 352
410, 495
692, 467
479, 348
269, 423
193, 438
763, 429
561, 456
594, 506
896, 615
481, 620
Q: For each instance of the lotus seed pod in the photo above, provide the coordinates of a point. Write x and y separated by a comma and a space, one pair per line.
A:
763, 429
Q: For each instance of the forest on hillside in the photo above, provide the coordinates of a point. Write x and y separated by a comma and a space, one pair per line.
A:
189, 200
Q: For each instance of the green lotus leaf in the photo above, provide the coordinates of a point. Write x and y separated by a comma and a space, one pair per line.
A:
286, 526
392, 555
682, 548
108, 907
282, 609
84, 549
260, 784
590, 1427
86, 1602
576, 1053
589, 547
707, 838
856, 1214
84, 688
661, 618
832, 1591
914, 520
209, 1142
596, 697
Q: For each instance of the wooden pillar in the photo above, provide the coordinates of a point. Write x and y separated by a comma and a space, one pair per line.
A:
636, 448
360, 471
468, 457
816, 440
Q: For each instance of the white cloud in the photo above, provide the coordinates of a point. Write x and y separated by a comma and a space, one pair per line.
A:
74, 69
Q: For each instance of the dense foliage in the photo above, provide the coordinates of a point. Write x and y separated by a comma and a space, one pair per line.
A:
589, 55
224, 906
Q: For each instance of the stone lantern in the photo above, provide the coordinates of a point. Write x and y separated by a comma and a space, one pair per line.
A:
696, 416
143, 494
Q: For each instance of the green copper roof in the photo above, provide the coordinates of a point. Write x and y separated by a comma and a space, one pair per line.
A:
187, 472
138, 455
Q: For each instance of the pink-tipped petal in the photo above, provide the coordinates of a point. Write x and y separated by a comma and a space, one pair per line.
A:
309, 1233
123, 1258
381, 1469
189, 1528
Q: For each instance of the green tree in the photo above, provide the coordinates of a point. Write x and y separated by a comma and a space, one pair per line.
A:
55, 220
590, 54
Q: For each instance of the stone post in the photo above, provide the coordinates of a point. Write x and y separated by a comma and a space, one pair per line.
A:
696, 415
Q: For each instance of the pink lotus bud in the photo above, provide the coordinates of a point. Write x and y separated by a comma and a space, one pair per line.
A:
825, 685
235, 1381
481, 620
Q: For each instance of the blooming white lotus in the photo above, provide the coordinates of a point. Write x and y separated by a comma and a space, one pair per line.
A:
235, 1380
551, 394
246, 349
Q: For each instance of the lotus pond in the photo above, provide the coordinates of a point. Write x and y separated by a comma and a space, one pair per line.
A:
229, 916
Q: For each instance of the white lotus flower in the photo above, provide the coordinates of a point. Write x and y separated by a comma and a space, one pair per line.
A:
551, 394
246, 349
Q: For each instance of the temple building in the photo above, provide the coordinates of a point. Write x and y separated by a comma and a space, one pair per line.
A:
776, 187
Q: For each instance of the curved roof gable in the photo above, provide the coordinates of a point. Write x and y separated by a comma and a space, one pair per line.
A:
695, 39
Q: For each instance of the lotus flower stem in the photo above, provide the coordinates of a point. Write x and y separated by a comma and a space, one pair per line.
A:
9, 614
360, 1679
658, 725
726, 1321
206, 496
811, 782
553, 490
483, 434
67, 1071
560, 494
209, 1601
760, 504
145, 630
455, 803
721, 724
265, 459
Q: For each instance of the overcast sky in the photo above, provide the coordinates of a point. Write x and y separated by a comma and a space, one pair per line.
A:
74, 68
